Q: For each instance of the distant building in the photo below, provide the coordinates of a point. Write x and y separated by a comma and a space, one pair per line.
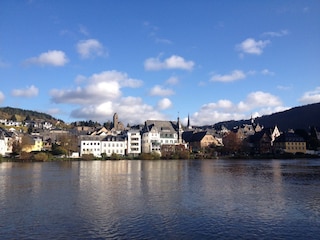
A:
199, 140
90, 145
134, 142
290, 143
262, 142
117, 125
113, 145
157, 133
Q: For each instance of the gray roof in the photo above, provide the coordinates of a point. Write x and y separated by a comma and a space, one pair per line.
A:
162, 126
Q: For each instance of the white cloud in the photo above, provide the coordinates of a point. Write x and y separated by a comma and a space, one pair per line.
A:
1, 97
173, 62
261, 99
267, 72
159, 91
276, 34
129, 109
100, 96
235, 75
172, 81
251, 46
164, 103
311, 96
90, 48
281, 87
31, 91
101, 87
52, 57
258, 103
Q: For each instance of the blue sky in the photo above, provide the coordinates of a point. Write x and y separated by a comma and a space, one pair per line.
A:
214, 60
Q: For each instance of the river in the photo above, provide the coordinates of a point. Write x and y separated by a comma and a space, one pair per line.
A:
175, 199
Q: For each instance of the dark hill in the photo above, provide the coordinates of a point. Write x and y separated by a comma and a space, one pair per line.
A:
302, 117
21, 114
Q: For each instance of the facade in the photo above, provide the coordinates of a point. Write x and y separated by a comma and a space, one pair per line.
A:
157, 133
262, 142
150, 141
290, 143
32, 143
134, 142
113, 145
199, 140
90, 145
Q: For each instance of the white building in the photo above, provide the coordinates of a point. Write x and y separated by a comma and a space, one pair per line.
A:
157, 133
133, 142
113, 144
6, 141
90, 145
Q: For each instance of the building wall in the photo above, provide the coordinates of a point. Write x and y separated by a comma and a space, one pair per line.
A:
151, 142
134, 143
291, 147
207, 140
90, 147
110, 147
294, 147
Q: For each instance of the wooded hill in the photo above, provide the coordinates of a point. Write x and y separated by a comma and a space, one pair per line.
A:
21, 115
302, 117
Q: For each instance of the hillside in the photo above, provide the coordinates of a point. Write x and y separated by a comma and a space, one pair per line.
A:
302, 117
21, 114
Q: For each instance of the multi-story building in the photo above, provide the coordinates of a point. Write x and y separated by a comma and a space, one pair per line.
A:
113, 145
134, 142
90, 145
290, 143
157, 133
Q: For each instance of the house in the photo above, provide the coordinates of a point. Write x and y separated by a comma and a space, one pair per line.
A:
32, 143
100, 145
6, 140
101, 131
134, 142
90, 145
262, 142
113, 145
290, 143
156, 133
199, 140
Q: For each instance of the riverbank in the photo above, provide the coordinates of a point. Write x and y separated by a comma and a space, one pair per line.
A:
192, 157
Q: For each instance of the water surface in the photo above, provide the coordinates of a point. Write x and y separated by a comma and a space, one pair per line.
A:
178, 199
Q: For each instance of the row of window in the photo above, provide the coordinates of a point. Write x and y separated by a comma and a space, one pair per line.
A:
119, 151
105, 144
296, 148
162, 141
295, 143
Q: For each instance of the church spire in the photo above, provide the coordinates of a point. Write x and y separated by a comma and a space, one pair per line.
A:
188, 126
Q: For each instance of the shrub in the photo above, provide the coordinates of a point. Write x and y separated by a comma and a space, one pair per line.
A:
41, 157
88, 157
26, 156
115, 156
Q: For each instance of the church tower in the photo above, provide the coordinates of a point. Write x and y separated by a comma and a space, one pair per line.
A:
188, 126
180, 130
115, 121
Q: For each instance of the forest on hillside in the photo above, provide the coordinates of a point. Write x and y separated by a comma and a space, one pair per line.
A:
18, 114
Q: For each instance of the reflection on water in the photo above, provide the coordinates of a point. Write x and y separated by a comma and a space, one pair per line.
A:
191, 199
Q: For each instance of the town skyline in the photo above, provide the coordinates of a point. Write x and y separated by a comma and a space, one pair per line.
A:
213, 61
